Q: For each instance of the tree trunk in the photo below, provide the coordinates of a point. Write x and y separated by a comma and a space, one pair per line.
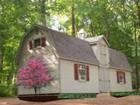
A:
107, 35
136, 63
1, 53
35, 89
90, 17
73, 19
43, 12
1, 57
138, 11
91, 26
136, 43
11, 73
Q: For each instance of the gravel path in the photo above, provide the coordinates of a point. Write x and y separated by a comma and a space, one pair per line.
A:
129, 100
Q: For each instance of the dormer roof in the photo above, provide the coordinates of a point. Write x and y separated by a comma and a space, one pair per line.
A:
117, 59
96, 39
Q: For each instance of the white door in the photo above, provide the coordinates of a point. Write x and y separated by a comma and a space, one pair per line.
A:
104, 82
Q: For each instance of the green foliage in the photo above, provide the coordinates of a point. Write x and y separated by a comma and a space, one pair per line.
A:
117, 19
8, 91
76, 95
16, 16
122, 94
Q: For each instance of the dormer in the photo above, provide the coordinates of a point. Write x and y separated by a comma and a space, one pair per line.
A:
36, 42
100, 46
98, 40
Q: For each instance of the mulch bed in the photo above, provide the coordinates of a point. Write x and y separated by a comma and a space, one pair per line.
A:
128, 100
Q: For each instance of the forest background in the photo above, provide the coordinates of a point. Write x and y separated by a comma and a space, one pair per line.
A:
118, 20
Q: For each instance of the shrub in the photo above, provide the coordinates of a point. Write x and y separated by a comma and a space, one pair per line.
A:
77, 95
35, 75
122, 94
7, 91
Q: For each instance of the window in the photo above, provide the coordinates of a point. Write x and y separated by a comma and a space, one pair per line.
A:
81, 72
37, 42
121, 77
30, 45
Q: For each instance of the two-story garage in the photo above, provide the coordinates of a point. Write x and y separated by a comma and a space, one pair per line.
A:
76, 65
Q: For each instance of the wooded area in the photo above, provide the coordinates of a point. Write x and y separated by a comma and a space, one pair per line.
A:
118, 20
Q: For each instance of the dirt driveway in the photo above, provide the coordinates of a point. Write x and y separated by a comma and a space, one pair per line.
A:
129, 100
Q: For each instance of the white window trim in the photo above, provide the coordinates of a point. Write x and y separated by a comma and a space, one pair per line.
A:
83, 68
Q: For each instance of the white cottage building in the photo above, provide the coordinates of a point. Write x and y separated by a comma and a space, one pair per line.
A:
78, 66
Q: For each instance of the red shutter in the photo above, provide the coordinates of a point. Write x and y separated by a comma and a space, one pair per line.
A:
30, 44
118, 77
76, 72
87, 73
43, 41
124, 78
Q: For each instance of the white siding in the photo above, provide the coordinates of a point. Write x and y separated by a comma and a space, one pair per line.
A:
115, 87
107, 76
96, 51
69, 85
22, 90
48, 54
102, 54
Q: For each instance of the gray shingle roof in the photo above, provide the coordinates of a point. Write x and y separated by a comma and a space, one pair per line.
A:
75, 49
67, 47
118, 60
72, 48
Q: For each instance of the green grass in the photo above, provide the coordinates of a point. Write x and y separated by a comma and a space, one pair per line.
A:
122, 94
76, 95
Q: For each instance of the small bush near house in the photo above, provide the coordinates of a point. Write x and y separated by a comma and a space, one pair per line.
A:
122, 94
76, 95
7, 91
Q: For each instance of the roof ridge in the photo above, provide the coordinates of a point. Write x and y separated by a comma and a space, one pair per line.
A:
63, 33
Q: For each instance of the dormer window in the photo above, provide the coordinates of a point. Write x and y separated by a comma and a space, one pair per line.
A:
37, 42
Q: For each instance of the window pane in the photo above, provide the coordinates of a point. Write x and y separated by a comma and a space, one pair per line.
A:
37, 42
82, 72
82, 77
121, 77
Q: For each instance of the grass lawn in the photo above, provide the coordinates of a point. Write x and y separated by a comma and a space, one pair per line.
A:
122, 94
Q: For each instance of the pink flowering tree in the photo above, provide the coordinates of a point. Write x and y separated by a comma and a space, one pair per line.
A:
35, 75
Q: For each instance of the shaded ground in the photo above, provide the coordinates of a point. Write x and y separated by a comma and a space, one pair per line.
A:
129, 100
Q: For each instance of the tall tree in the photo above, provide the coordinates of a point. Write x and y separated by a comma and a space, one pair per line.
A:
43, 12
137, 26
1, 53
16, 16
73, 18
